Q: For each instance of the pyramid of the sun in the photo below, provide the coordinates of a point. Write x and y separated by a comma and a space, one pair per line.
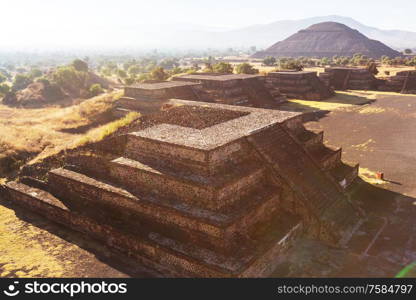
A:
327, 39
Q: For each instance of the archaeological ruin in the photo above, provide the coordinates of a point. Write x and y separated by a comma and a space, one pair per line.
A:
299, 85
201, 189
148, 97
403, 82
235, 89
327, 39
347, 78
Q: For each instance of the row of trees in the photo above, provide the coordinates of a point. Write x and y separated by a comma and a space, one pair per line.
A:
356, 60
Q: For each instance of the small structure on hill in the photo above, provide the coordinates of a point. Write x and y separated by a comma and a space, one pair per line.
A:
299, 85
202, 190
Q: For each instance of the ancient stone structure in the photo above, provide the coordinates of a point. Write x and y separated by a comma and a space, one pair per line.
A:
149, 97
327, 40
299, 85
343, 78
187, 195
403, 82
235, 89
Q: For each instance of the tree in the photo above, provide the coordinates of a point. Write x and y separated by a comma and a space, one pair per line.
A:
80, 65
2, 78
95, 89
35, 73
20, 82
246, 68
69, 77
324, 61
208, 67
223, 67
169, 63
129, 80
408, 51
134, 70
290, 64
158, 73
176, 71
4, 89
121, 73
5, 73
269, 61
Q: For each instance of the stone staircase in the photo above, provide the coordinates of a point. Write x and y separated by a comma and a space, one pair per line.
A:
308, 173
328, 158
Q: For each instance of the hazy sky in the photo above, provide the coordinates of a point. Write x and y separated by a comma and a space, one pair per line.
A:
64, 21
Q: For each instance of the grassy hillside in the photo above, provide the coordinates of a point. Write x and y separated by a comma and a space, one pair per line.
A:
32, 134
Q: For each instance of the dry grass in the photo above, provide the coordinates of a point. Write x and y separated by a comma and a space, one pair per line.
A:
341, 100
99, 133
40, 131
392, 70
93, 135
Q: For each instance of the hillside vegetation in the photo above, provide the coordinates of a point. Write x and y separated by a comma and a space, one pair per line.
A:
36, 133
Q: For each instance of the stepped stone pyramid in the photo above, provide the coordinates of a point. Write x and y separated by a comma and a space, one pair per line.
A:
299, 85
327, 39
202, 190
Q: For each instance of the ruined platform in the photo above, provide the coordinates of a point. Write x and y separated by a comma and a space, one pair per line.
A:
299, 85
403, 82
235, 89
343, 78
221, 197
149, 97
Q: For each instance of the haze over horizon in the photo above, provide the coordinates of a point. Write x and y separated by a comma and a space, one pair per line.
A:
58, 24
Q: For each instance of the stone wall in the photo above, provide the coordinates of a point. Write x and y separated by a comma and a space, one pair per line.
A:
299, 85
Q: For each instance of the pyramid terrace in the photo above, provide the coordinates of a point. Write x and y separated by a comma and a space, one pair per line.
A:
186, 201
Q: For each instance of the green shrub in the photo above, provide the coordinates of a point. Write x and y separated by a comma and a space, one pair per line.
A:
246, 68
21, 81
269, 61
95, 90
223, 67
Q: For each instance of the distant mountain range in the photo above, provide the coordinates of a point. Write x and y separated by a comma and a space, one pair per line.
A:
262, 36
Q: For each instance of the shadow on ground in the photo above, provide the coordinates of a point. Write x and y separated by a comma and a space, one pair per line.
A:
110, 257
381, 247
